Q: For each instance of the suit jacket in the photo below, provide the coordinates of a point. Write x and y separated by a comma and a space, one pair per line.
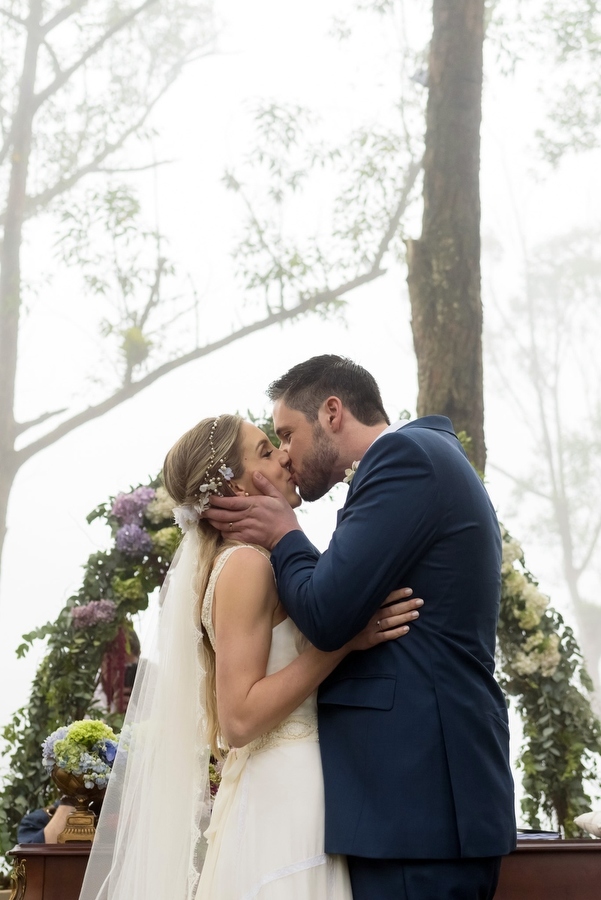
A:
413, 733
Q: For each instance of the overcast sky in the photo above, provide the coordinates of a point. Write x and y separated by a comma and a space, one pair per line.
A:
267, 50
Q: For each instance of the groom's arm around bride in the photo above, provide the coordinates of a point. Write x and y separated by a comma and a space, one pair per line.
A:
414, 734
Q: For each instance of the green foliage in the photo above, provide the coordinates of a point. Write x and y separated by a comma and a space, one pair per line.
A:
541, 666
539, 661
66, 680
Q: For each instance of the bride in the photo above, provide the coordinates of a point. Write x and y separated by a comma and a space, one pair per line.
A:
227, 669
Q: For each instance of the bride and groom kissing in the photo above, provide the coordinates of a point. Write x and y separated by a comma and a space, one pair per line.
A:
369, 763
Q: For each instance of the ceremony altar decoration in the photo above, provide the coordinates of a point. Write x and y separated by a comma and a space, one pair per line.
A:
79, 758
539, 665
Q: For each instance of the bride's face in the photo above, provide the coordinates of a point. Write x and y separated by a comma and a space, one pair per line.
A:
259, 455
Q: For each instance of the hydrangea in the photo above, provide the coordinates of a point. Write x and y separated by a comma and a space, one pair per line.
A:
129, 588
128, 508
48, 755
133, 540
160, 508
165, 541
92, 613
87, 748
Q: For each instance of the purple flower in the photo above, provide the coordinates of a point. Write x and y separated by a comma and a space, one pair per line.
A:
128, 508
133, 540
93, 612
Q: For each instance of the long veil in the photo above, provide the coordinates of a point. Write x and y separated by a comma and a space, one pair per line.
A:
149, 843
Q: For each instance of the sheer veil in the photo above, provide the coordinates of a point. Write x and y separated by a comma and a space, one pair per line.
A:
149, 843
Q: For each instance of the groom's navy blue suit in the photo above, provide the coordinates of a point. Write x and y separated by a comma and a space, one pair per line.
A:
413, 733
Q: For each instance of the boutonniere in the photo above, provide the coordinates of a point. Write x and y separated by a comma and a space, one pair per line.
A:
349, 474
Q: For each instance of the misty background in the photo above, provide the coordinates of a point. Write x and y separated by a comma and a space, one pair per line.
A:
258, 129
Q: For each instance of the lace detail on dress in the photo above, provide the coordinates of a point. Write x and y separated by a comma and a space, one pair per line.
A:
291, 729
206, 615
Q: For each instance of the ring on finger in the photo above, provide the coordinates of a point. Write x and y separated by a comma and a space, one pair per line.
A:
379, 626
231, 526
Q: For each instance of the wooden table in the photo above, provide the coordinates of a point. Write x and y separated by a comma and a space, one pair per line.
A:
551, 870
49, 871
537, 870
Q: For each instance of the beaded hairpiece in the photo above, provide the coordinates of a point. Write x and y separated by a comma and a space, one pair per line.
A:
190, 513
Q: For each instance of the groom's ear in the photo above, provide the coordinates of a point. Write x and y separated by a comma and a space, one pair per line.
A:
331, 414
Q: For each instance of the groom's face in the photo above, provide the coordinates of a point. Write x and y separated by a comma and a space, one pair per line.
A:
312, 452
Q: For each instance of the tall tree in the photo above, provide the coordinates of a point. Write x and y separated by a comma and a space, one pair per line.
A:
73, 95
553, 385
100, 225
444, 264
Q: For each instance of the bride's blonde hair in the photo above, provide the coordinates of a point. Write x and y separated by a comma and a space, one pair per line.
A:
197, 455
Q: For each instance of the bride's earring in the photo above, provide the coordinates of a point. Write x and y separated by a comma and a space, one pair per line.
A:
246, 494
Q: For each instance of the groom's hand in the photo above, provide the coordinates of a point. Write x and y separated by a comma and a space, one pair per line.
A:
261, 519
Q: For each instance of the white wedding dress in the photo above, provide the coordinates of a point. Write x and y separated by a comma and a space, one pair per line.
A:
266, 836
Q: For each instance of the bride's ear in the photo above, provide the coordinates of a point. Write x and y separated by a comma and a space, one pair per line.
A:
238, 489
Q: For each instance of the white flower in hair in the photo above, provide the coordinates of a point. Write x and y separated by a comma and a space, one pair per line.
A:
226, 472
187, 516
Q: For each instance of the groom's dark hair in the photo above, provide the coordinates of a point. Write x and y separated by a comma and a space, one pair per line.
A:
308, 384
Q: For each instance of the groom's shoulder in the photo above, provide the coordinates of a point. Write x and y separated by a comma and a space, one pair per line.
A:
415, 436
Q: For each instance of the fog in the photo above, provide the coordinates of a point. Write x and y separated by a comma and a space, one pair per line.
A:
269, 51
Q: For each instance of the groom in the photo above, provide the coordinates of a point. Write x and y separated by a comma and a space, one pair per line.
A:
414, 735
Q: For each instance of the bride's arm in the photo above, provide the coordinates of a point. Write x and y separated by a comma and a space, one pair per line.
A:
249, 701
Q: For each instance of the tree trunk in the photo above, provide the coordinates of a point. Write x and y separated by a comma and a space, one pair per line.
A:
444, 264
10, 256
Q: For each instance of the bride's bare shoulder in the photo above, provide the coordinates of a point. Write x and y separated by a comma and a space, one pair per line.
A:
247, 564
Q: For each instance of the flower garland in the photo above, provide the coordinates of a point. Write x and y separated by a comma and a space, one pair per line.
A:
540, 666
95, 622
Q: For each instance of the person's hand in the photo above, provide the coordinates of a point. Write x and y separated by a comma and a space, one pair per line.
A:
389, 622
57, 823
261, 519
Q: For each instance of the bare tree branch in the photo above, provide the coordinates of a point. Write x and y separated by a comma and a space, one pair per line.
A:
11, 16
413, 171
20, 427
65, 13
519, 482
65, 184
128, 391
106, 170
591, 549
53, 57
62, 79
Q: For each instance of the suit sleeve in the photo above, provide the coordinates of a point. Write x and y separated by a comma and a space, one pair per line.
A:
388, 521
31, 827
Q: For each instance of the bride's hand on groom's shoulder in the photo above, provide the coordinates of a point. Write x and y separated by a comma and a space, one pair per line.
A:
389, 622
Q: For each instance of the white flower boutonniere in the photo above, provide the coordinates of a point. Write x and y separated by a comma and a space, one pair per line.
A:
349, 474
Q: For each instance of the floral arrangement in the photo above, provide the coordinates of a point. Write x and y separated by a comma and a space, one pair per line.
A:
94, 625
541, 666
87, 748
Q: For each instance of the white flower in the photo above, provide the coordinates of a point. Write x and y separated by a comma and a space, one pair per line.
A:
226, 472
349, 474
187, 516
160, 508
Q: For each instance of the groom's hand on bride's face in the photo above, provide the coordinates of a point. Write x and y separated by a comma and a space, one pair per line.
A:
261, 519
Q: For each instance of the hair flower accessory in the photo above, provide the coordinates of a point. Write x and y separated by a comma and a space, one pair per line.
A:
189, 514
349, 474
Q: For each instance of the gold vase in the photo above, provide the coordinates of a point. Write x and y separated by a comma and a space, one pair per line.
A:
81, 823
